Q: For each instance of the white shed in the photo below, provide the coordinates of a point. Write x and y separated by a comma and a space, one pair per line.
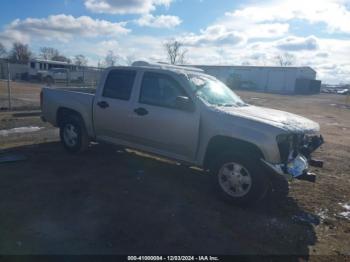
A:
267, 79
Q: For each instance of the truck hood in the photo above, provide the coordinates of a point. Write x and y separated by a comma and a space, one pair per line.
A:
287, 121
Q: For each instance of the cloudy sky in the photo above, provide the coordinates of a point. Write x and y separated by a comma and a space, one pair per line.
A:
227, 32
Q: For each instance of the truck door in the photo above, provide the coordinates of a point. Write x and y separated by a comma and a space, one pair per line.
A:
160, 123
113, 108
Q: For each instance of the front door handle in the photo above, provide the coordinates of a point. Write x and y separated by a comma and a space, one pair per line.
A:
103, 104
141, 111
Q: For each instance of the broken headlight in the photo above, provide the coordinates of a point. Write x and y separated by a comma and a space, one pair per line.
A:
285, 146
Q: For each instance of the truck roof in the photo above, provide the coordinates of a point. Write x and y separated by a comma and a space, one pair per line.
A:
165, 66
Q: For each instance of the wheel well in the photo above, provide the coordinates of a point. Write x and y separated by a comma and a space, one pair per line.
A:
221, 144
64, 112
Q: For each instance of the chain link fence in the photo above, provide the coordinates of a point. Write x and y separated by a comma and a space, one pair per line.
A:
20, 91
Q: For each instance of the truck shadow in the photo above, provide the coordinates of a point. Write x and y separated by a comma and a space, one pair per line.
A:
106, 201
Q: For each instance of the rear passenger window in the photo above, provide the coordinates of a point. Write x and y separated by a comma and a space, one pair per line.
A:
119, 84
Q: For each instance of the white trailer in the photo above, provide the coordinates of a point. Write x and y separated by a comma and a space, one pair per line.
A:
42, 69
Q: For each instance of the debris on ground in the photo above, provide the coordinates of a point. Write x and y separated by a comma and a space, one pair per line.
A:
306, 218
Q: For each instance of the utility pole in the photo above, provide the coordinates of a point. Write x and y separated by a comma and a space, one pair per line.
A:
8, 85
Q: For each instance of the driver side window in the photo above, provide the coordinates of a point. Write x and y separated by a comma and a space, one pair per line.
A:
160, 90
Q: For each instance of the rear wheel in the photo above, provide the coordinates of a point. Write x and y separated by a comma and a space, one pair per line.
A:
240, 179
74, 137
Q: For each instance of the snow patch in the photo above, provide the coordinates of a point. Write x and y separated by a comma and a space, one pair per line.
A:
20, 130
323, 214
345, 214
345, 206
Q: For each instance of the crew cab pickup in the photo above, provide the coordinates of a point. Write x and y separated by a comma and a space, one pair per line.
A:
183, 114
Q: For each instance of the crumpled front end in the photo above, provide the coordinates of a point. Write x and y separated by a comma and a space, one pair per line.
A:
295, 152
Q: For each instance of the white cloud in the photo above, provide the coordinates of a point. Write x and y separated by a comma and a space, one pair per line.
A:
253, 34
241, 29
293, 43
124, 6
7, 37
333, 13
214, 35
162, 21
64, 27
257, 32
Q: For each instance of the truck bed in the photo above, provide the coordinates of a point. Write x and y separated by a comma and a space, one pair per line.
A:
78, 99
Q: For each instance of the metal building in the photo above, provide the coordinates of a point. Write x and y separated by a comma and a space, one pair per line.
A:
283, 80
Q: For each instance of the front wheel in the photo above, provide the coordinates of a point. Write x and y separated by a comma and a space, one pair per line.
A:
240, 179
73, 134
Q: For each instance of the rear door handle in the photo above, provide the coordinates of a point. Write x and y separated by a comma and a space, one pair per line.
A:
141, 111
103, 104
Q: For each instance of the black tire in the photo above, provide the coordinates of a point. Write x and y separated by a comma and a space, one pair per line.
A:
259, 180
279, 187
81, 142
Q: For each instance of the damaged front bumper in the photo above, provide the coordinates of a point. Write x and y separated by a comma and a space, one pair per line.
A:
299, 159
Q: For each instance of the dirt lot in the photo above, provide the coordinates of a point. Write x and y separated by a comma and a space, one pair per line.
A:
24, 95
106, 201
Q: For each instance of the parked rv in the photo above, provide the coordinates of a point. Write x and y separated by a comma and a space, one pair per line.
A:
52, 71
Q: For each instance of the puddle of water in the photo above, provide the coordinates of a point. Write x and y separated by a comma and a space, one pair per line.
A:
20, 130
306, 218
11, 157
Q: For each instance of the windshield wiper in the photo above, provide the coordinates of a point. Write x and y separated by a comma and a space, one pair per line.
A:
225, 105
232, 105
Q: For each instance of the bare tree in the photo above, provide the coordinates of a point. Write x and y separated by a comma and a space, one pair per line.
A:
48, 53
20, 53
129, 60
3, 51
111, 59
285, 59
175, 52
61, 58
80, 60
100, 64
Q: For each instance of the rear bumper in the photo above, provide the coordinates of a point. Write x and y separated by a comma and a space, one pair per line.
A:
297, 167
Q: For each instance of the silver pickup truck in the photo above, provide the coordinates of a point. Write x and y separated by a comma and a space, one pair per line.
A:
183, 114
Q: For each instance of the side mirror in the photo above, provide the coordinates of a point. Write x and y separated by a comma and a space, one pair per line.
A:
184, 103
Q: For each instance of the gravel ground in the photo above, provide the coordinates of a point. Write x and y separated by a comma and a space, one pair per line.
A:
106, 201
